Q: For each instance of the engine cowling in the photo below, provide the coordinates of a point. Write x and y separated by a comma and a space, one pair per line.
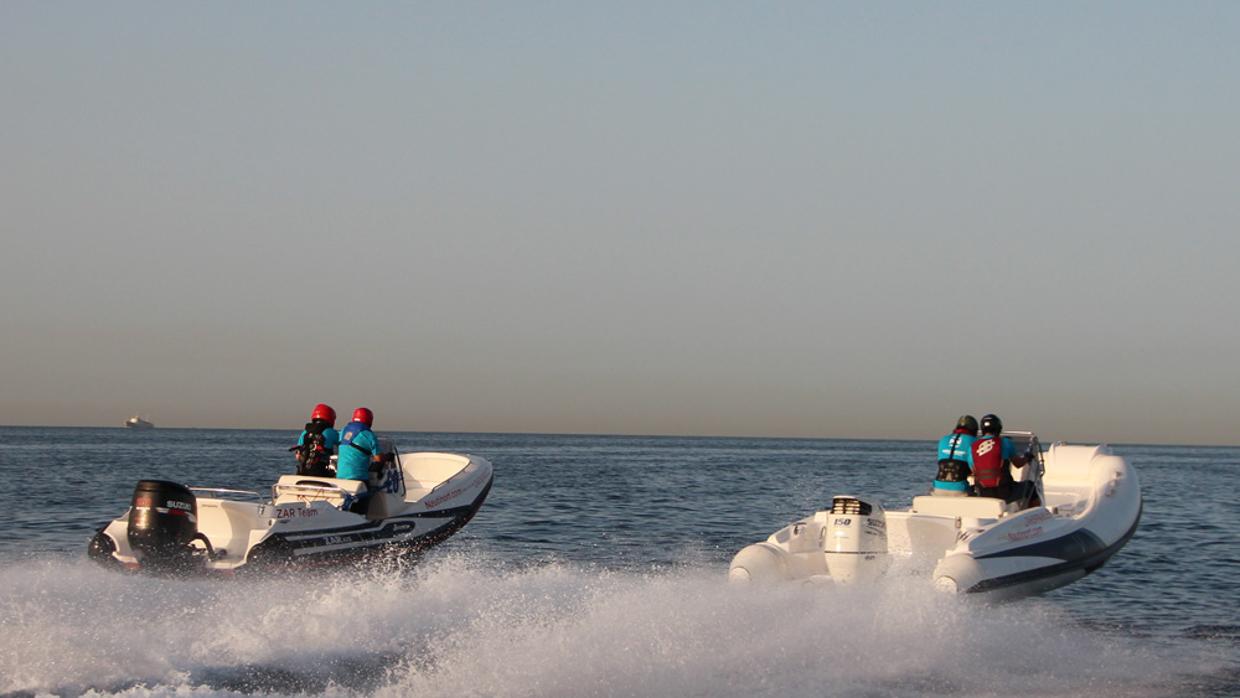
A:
855, 544
163, 519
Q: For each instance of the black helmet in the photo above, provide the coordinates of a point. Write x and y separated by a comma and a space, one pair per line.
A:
967, 423
992, 425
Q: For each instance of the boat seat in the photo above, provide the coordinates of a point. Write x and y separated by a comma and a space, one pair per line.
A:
964, 507
305, 488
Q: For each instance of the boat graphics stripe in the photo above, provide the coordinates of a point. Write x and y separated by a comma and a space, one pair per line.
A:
1077, 544
380, 531
327, 548
1087, 564
378, 525
450, 513
388, 533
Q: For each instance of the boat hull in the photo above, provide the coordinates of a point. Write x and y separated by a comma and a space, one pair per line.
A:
1031, 569
400, 535
315, 522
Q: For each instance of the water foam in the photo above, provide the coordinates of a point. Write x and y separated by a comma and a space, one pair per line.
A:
460, 625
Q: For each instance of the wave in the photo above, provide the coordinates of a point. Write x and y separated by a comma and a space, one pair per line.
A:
463, 624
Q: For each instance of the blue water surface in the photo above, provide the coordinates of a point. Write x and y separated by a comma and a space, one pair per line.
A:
597, 567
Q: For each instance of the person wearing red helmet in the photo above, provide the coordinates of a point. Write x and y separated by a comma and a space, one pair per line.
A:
317, 443
359, 447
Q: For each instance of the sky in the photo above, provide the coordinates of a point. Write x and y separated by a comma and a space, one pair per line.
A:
696, 218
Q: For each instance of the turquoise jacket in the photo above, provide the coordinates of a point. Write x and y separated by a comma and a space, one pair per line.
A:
358, 445
958, 447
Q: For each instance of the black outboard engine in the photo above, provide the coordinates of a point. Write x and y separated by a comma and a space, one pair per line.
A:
162, 522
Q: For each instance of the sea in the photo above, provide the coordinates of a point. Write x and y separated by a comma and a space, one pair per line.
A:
597, 567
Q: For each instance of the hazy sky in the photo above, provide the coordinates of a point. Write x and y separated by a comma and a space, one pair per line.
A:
676, 218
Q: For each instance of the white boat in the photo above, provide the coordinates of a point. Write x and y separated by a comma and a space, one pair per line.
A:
417, 500
1090, 505
136, 422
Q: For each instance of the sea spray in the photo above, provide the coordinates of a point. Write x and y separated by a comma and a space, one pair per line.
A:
458, 624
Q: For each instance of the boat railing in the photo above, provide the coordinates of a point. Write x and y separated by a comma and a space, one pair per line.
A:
314, 491
225, 490
310, 486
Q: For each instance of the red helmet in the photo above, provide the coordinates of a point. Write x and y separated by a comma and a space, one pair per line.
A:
364, 415
324, 412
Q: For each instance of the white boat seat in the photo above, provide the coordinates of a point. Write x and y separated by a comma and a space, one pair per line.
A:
305, 488
964, 507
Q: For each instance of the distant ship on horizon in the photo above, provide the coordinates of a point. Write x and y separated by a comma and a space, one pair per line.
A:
136, 422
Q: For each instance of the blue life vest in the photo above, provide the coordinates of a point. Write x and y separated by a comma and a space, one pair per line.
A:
358, 445
350, 430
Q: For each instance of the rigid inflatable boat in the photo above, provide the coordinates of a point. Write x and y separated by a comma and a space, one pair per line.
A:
416, 500
1090, 503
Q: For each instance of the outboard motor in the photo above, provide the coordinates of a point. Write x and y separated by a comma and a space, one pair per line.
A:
162, 521
856, 541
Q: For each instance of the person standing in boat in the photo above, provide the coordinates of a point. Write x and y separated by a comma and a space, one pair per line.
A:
956, 459
317, 442
993, 456
359, 448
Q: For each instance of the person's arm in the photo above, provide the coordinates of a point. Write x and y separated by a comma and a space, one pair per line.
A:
375, 466
297, 450
372, 445
1009, 453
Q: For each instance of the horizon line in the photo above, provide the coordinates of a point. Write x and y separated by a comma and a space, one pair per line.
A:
751, 437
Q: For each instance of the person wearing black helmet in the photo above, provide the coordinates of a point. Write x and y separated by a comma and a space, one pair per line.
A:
956, 459
993, 454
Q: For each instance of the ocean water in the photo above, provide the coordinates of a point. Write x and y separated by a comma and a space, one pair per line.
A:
597, 567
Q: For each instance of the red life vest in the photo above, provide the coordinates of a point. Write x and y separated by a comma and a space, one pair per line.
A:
988, 465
